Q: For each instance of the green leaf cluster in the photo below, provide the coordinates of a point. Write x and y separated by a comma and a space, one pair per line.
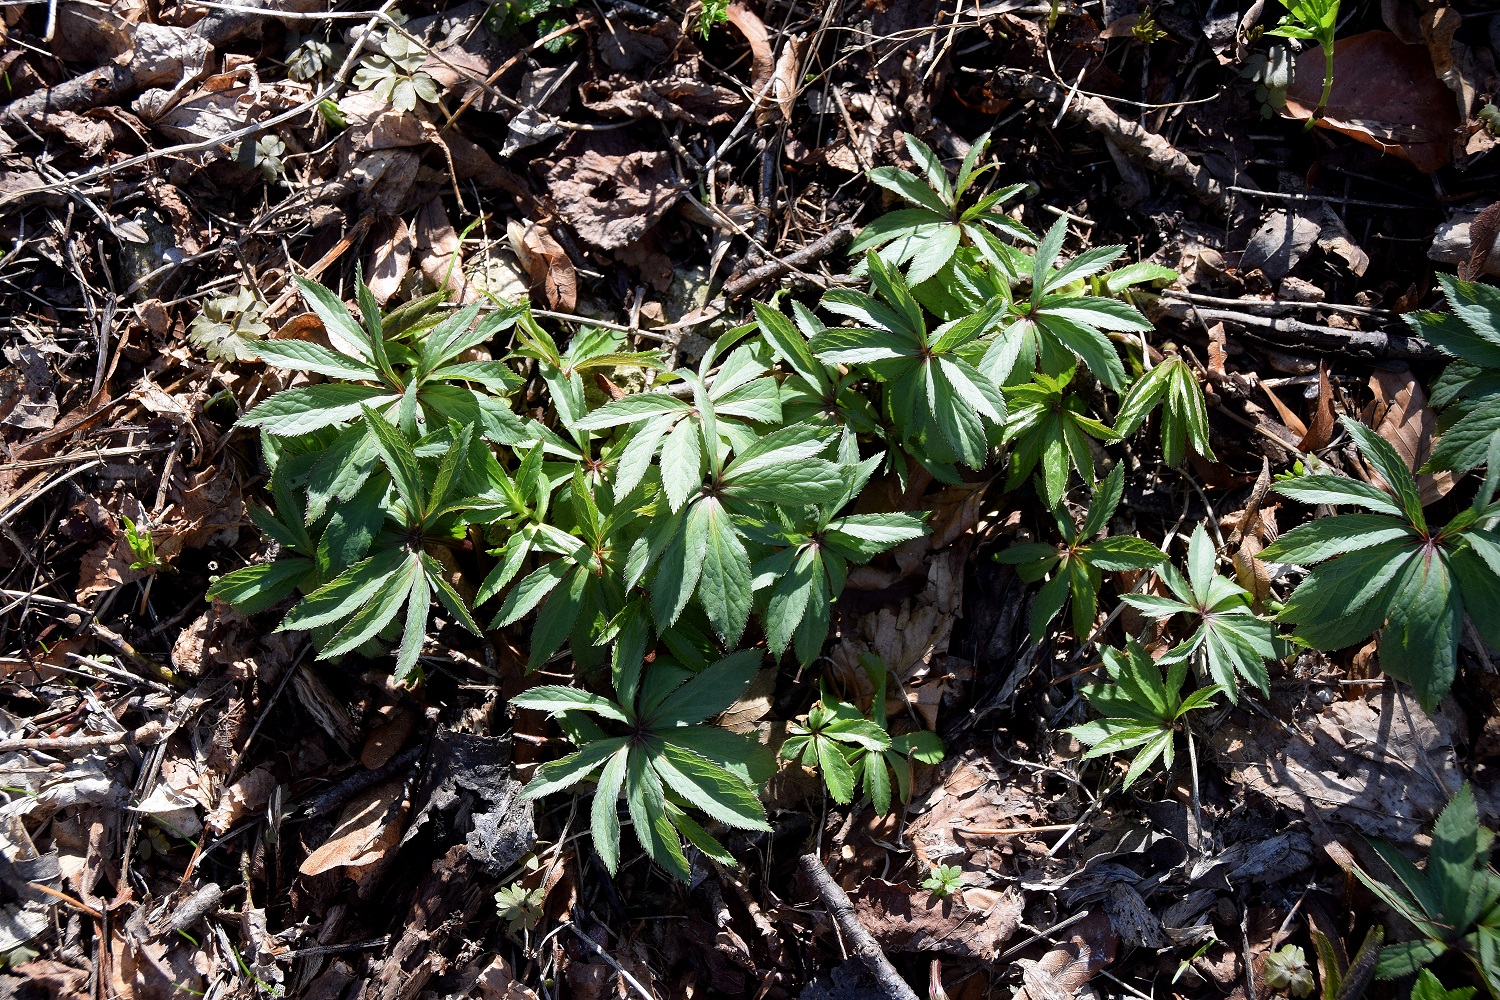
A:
1469, 389
922, 239
1229, 641
1388, 570
1142, 709
652, 745
1453, 904
651, 532
850, 749
1075, 565
1312, 20
944, 880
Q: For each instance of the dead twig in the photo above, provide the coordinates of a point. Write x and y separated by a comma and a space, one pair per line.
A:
842, 910
810, 254
148, 735
1155, 153
1295, 333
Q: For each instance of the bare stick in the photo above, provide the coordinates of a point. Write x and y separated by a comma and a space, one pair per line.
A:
813, 252
147, 735
865, 946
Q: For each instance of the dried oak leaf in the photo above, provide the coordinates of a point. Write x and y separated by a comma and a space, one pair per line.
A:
972, 923
1063, 972
676, 99
1385, 94
610, 193
1378, 764
369, 826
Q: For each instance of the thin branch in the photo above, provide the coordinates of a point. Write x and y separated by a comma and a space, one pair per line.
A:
865, 946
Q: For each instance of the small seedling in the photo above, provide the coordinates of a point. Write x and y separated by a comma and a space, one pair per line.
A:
520, 907
923, 239
142, 548
230, 326
309, 59
1075, 565
1229, 640
944, 880
1287, 969
265, 154
394, 74
713, 12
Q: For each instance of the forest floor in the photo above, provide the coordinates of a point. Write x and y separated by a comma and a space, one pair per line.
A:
195, 805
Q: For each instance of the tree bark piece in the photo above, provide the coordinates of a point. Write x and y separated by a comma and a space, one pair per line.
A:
841, 908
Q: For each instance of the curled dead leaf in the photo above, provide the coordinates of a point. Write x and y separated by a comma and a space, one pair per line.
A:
547, 264
1400, 414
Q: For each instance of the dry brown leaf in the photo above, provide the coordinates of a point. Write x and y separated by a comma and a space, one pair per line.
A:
678, 98
391, 257
547, 264
1452, 60
245, 797
1218, 350
762, 59
1320, 431
1291, 420
609, 191
438, 252
1063, 972
1377, 763
367, 828
387, 738
784, 85
1400, 415
1385, 94
972, 923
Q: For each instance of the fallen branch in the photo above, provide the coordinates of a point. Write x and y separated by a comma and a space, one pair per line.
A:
842, 910
810, 254
1285, 332
148, 735
1155, 153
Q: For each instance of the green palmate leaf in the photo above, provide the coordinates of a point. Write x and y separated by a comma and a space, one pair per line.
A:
1228, 639
1467, 443
709, 787
301, 356
1382, 455
1327, 537
1429, 987
605, 812
1047, 424
1184, 413
1076, 563
1388, 569
1425, 617
343, 331
1142, 709
710, 692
